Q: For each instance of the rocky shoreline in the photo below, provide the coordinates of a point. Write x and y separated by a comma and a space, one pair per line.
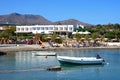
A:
14, 48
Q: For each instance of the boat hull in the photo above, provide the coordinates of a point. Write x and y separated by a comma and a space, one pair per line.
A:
80, 61
45, 54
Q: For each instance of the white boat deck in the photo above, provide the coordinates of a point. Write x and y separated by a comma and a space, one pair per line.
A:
80, 60
45, 53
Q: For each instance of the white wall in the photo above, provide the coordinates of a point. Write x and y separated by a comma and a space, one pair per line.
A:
113, 43
44, 28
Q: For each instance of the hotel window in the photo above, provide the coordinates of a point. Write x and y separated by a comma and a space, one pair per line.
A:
38, 28
50, 28
42, 28
18, 29
61, 28
34, 28
66, 28
70, 28
22, 29
26, 29
46, 28
56, 28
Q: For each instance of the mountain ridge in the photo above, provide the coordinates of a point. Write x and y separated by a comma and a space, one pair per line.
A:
23, 19
72, 22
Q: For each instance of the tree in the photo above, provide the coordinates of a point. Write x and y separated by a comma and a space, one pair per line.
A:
8, 32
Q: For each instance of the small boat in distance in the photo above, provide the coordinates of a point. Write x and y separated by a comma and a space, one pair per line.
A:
45, 53
81, 60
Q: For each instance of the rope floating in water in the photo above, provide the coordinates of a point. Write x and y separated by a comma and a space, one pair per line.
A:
24, 70
55, 68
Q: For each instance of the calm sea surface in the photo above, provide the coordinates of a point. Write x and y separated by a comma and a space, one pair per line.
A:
26, 66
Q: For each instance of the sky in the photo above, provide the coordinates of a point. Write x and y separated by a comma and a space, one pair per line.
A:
88, 11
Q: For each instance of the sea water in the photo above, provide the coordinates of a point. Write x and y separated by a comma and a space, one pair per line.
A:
25, 66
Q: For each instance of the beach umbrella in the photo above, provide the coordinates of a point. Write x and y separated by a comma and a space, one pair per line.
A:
90, 38
105, 39
48, 38
97, 39
114, 40
74, 38
86, 32
82, 38
57, 38
73, 32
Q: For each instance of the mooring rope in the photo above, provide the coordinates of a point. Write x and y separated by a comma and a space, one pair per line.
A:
22, 70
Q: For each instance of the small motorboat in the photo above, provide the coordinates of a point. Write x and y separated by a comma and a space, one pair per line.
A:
81, 60
45, 53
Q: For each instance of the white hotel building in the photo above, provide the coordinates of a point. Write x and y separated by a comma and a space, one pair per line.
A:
46, 29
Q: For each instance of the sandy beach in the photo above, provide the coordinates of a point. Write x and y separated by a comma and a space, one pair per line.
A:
35, 47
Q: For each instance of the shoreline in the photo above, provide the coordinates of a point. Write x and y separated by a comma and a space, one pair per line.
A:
14, 48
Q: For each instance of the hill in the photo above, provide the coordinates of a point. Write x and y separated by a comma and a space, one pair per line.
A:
29, 19
72, 22
16, 18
